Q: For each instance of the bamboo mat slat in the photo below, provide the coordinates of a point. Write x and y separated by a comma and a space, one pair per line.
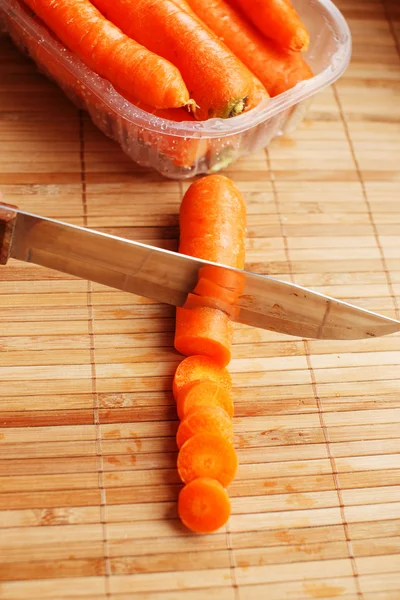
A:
88, 481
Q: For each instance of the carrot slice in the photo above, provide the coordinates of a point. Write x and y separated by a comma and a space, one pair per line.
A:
199, 368
276, 68
204, 330
204, 505
207, 455
111, 54
205, 419
278, 21
204, 393
219, 82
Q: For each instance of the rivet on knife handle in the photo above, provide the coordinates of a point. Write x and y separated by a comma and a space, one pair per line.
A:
7, 223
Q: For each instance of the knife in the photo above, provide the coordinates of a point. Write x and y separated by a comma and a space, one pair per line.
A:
169, 277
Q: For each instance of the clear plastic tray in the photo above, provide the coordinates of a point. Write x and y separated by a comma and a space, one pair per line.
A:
182, 150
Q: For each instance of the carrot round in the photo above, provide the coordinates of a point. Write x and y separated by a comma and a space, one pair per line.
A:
212, 227
278, 21
276, 68
207, 455
204, 393
204, 505
218, 81
205, 419
199, 368
204, 330
112, 54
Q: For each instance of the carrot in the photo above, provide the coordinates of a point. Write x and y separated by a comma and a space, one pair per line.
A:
218, 81
212, 221
184, 152
212, 227
203, 505
277, 69
205, 419
278, 21
204, 393
204, 330
207, 455
111, 54
199, 368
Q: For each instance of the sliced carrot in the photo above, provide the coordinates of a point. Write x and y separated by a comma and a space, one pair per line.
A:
204, 505
199, 368
277, 68
207, 455
278, 21
218, 81
212, 227
204, 393
112, 54
204, 330
205, 419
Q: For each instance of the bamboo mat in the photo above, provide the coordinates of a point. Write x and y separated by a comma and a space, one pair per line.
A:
88, 481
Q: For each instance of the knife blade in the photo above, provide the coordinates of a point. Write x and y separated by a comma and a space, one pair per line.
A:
169, 277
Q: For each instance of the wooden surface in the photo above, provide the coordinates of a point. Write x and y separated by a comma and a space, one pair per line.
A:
87, 453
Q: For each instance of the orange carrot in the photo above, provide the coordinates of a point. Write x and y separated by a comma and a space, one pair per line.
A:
199, 368
111, 54
204, 330
203, 505
207, 455
204, 393
277, 69
278, 21
183, 152
212, 227
218, 81
212, 221
205, 419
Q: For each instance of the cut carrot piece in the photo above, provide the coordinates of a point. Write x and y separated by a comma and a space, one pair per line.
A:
204, 330
207, 455
205, 419
199, 368
112, 54
277, 69
204, 393
219, 82
278, 21
204, 505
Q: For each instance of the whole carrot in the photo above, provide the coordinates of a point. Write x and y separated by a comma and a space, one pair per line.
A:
276, 68
112, 54
218, 81
277, 20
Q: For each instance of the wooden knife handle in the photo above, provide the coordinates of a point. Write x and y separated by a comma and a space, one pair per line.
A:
8, 218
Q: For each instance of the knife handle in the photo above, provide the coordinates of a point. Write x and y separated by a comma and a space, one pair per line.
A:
8, 218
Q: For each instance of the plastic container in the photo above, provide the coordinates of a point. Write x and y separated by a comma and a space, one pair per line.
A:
182, 150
